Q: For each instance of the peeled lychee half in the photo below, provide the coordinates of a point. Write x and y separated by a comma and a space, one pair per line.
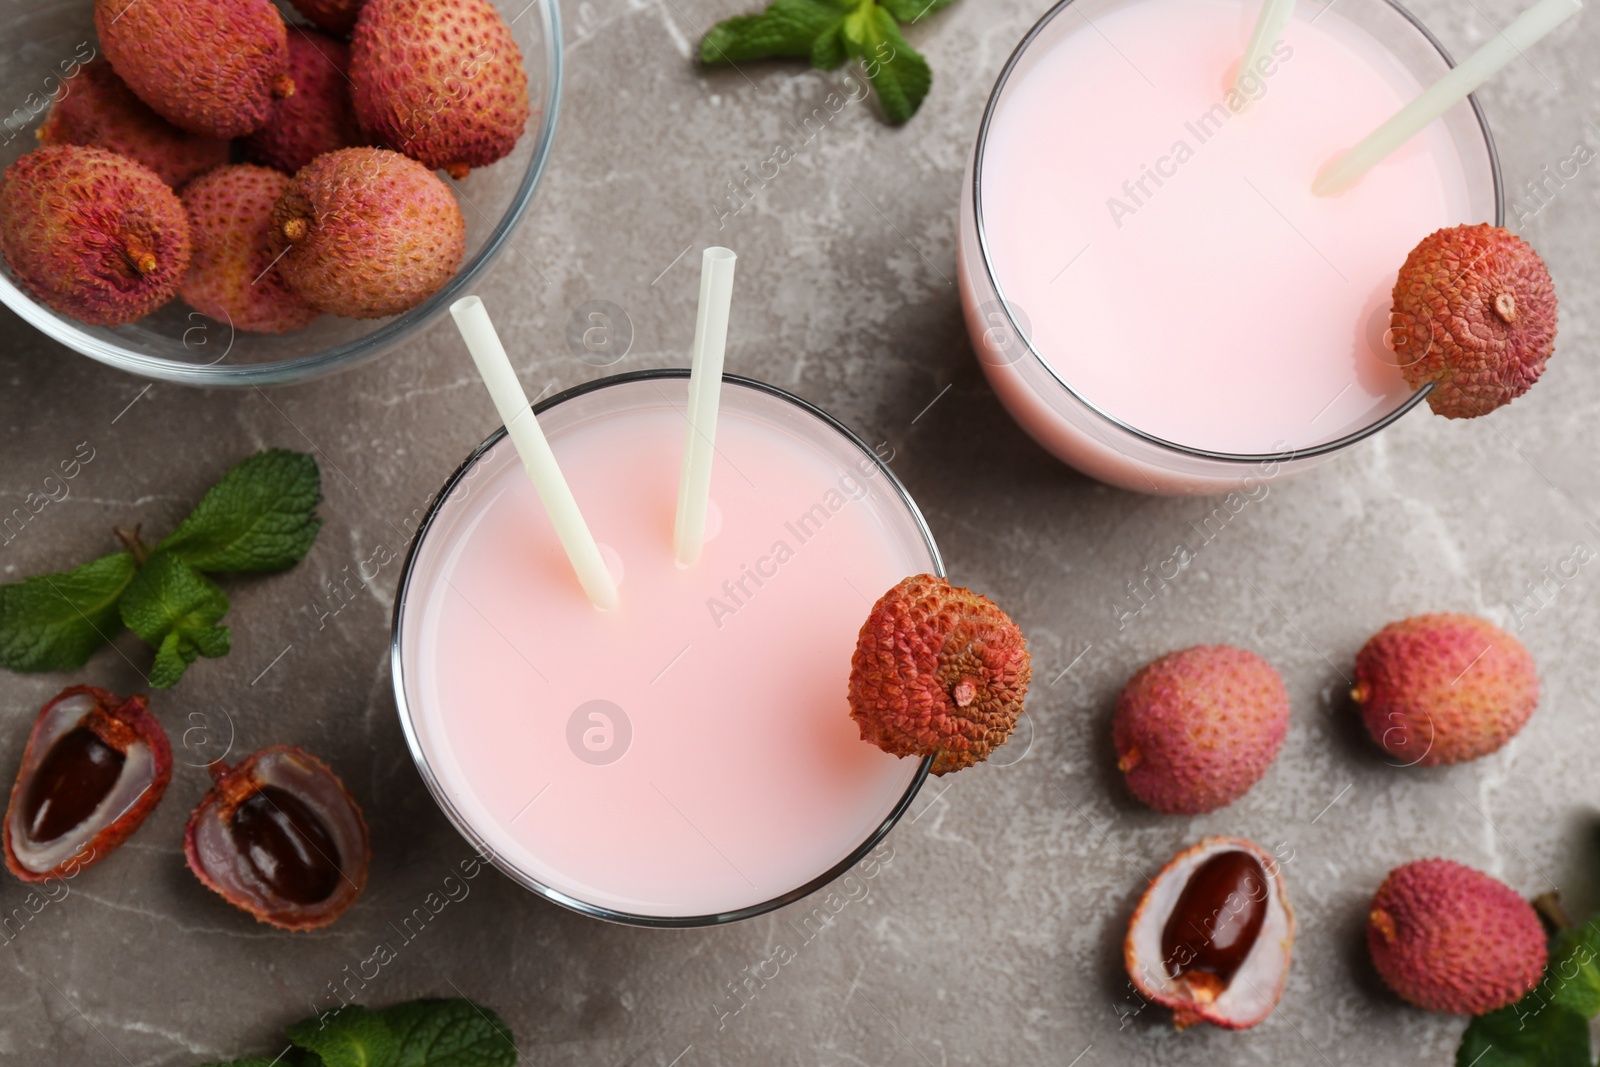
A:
938, 671
92, 234
318, 116
1449, 938
1213, 934
369, 233
1444, 688
100, 111
440, 80
1475, 314
1195, 729
232, 277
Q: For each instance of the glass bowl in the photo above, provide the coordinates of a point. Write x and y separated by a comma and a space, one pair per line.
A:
42, 47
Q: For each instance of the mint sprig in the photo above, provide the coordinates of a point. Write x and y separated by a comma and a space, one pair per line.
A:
829, 32
259, 518
420, 1033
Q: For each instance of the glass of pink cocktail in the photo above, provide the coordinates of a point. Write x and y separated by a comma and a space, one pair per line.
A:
1152, 288
687, 758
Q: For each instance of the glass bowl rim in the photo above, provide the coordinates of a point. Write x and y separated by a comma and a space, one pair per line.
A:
441, 795
65, 331
1259, 459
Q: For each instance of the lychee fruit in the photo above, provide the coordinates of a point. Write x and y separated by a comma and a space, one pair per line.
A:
318, 117
1475, 314
938, 671
100, 111
212, 67
1449, 938
232, 277
369, 233
335, 16
1195, 729
92, 234
1444, 688
440, 80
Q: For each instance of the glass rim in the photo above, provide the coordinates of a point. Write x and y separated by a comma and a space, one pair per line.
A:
1261, 458
348, 353
441, 796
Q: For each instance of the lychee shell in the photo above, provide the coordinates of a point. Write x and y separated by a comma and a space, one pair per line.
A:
232, 277
1451, 939
92, 234
318, 117
1195, 729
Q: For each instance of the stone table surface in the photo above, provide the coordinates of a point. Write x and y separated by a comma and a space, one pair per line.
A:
990, 931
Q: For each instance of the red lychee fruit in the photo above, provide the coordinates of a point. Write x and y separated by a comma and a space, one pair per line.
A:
92, 234
440, 80
232, 277
1475, 314
318, 117
1444, 688
1195, 729
1449, 938
100, 111
938, 671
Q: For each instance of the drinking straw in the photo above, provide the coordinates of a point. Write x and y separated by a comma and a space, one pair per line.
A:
1270, 24
472, 319
1444, 94
705, 390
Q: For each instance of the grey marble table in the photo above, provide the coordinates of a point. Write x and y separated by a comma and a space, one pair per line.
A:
991, 931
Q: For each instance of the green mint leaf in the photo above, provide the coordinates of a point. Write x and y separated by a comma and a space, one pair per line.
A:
349, 1037
253, 1061
449, 1033
1572, 979
898, 73
909, 11
827, 51
259, 517
174, 607
784, 28
53, 622
1526, 1034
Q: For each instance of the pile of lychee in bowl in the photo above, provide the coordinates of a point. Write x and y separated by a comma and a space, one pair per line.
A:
222, 192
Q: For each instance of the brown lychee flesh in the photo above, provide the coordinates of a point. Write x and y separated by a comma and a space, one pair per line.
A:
1452, 939
98, 110
318, 116
369, 233
1221, 954
212, 67
280, 837
92, 234
1474, 313
232, 276
439, 80
95, 766
1444, 688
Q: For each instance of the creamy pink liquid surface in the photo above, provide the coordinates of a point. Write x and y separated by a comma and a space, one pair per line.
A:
744, 777
1167, 252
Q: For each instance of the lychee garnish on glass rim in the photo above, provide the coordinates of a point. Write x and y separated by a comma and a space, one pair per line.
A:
938, 671
1475, 314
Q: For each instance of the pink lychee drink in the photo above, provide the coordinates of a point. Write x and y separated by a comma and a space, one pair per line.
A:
1155, 239
689, 755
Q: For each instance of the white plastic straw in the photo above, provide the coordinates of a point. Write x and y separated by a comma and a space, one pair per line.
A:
1444, 94
472, 319
705, 391
1270, 24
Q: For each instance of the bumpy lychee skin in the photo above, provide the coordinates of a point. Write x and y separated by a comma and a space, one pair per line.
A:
938, 671
335, 16
211, 67
1195, 729
1474, 313
318, 117
1444, 688
100, 111
1451, 939
369, 233
232, 277
92, 234
440, 80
